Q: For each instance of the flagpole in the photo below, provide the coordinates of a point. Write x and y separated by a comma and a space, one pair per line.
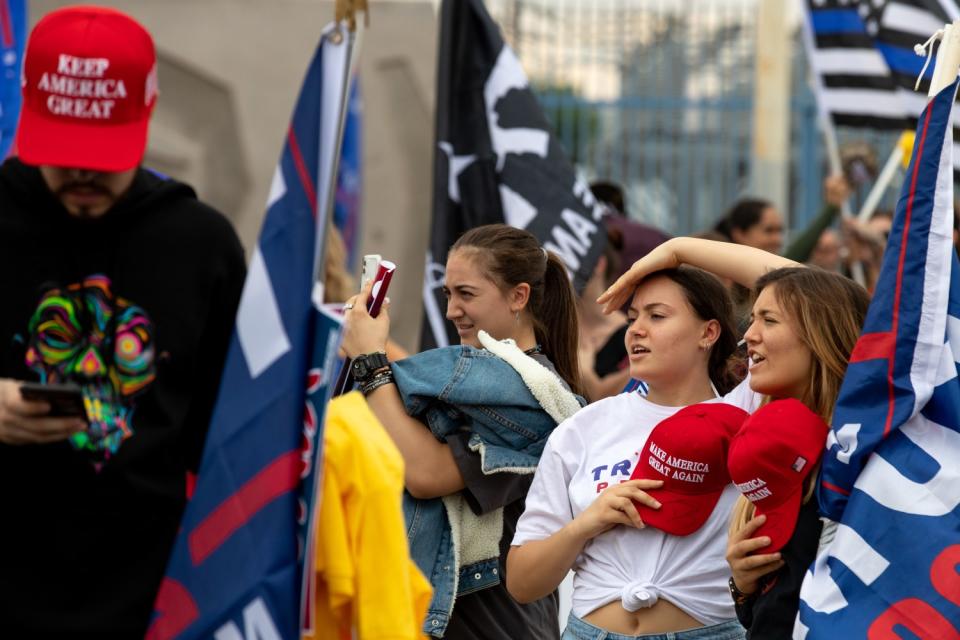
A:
336, 37
883, 180
947, 65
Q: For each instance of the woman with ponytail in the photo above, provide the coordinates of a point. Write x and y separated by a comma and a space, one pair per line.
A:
471, 421
804, 325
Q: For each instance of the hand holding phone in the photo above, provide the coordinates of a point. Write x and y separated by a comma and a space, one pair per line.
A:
378, 292
27, 417
65, 400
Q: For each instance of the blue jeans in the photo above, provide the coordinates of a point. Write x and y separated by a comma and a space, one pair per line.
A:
577, 629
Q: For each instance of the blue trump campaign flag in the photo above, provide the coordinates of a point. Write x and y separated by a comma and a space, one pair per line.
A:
13, 35
239, 564
890, 480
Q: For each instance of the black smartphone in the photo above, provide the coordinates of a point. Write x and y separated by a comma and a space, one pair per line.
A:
65, 400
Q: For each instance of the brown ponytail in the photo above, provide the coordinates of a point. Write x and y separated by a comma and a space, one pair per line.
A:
556, 324
513, 256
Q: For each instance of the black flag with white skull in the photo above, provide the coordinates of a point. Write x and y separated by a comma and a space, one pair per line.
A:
497, 161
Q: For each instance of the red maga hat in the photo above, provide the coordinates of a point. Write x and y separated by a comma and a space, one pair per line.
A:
688, 451
89, 87
769, 459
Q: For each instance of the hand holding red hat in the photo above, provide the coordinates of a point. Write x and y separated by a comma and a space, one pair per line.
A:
615, 506
770, 460
747, 566
687, 452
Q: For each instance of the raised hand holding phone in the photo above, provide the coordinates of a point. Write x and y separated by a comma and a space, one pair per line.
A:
362, 335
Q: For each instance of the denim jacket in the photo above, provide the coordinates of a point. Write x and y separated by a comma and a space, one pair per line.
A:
449, 389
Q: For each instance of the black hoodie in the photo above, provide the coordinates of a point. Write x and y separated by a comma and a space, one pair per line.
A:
82, 550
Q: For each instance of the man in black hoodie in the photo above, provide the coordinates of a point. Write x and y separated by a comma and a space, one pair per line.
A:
120, 281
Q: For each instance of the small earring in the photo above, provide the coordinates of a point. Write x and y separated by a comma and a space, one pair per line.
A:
518, 316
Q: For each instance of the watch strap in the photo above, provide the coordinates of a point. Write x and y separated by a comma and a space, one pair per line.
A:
365, 365
739, 597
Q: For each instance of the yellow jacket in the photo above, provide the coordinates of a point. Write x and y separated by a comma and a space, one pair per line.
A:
366, 582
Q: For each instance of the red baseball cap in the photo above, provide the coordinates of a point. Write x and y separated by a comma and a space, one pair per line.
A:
769, 460
688, 451
89, 87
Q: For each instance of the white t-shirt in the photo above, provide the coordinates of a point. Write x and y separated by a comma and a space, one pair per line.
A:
596, 447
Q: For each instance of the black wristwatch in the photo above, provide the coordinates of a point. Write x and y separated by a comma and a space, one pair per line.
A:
739, 597
364, 365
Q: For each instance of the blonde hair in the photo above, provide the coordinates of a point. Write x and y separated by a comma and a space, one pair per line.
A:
338, 285
826, 311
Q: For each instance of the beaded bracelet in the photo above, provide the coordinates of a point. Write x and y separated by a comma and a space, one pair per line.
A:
378, 380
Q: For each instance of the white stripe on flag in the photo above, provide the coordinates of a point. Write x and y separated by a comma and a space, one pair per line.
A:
865, 102
860, 62
903, 17
950, 8
953, 336
947, 369
936, 282
800, 630
278, 187
259, 327
915, 103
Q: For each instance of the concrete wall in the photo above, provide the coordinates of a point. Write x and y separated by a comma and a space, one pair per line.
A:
229, 72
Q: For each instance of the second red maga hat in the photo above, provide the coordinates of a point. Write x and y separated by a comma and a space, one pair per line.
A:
769, 460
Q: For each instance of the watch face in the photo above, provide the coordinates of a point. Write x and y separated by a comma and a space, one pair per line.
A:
359, 368
366, 364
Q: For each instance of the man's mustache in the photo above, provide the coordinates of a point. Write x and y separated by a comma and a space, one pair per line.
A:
85, 188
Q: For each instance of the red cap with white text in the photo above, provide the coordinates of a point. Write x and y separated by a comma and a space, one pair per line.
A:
688, 452
89, 88
769, 459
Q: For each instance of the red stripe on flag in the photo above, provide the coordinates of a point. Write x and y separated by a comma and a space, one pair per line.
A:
305, 180
898, 291
833, 487
175, 611
873, 346
277, 478
6, 24
191, 484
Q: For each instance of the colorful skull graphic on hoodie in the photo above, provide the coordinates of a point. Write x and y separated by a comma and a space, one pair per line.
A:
83, 334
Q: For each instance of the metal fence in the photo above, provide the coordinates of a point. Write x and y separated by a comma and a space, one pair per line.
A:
657, 95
